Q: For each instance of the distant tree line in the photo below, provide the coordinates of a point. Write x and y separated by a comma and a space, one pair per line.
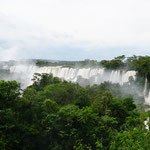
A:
141, 64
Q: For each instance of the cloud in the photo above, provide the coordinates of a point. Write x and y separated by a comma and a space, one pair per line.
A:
71, 29
9, 54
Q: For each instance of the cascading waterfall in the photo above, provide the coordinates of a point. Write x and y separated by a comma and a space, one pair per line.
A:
24, 73
146, 96
94, 75
145, 87
147, 102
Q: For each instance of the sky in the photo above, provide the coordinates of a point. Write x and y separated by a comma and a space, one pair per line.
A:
74, 29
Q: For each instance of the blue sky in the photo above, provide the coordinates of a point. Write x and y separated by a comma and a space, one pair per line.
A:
74, 29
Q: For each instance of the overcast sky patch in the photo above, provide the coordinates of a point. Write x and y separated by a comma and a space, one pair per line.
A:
74, 29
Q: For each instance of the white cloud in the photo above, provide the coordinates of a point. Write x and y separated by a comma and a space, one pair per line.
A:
9, 54
85, 24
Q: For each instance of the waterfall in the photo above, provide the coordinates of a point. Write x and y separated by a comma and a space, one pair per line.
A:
24, 73
145, 87
146, 123
85, 76
146, 96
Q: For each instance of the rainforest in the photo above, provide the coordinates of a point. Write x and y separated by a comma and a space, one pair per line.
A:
76, 105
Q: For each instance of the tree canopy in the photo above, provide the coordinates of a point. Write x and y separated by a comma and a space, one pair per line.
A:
58, 115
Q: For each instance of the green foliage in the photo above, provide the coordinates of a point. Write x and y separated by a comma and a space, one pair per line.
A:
30, 94
136, 139
141, 64
9, 92
42, 80
50, 106
57, 115
62, 93
42, 63
83, 98
116, 63
87, 63
8, 128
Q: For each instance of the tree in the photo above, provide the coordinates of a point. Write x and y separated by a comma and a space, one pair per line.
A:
42, 80
137, 139
82, 98
9, 94
50, 106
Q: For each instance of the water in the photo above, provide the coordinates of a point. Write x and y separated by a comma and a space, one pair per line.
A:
84, 76
145, 87
24, 73
146, 93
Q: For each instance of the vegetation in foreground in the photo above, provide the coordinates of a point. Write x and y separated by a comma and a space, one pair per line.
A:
57, 115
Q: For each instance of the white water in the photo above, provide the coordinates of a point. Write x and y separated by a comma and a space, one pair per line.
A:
95, 76
24, 73
145, 87
146, 123
146, 96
